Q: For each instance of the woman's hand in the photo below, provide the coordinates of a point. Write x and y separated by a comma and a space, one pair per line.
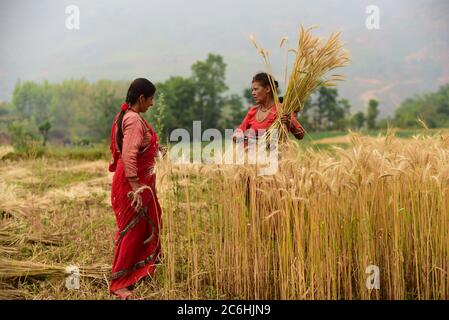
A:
162, 150
238, 136
286, 120
135, 194
136, 200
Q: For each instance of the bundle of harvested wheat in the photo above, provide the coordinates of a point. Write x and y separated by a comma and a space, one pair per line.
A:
10, 268
15, 232
8, 238
9, 292
8, 250
5, 150
10, 204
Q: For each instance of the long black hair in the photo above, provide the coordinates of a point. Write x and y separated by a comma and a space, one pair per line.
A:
138, 87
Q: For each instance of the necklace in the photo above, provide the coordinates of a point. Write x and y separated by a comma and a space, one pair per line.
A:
264, 109
263, 116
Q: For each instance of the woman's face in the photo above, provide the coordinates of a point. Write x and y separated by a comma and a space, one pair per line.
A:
145, 103
259, 92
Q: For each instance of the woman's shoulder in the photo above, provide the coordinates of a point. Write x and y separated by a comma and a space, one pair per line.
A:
132, 118
252, 110
131, 114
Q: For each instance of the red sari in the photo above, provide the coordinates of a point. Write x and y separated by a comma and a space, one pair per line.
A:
137, 245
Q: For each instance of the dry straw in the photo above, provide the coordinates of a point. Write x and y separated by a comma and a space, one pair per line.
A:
310, 231
10, 268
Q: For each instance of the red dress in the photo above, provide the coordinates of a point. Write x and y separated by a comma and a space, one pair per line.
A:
137, 245
251, 126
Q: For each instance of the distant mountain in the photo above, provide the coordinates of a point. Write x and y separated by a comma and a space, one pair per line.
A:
155, 39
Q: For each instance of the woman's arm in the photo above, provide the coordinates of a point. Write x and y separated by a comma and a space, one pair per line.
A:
133, 134
242, 127
293, 126
245, 123
296, 129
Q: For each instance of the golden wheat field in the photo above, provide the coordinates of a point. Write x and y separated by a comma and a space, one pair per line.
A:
308, 232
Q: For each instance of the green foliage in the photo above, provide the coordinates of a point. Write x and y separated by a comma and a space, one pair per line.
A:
324, 111
44, 128
372, 113
385, 123
432, 108
158, 114
90, 152
32, 101
233, 112
341, 114
105, 108
22, 136
199, 97
77, 109
209, 79
248, 96
179, 97
5, 108
82, 111
358, 120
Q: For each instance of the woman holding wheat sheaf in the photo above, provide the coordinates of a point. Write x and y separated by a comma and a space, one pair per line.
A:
261, 117
263, 114
134, 146
314, 58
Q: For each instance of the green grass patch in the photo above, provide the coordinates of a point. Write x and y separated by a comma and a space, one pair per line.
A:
94, 152
57, 179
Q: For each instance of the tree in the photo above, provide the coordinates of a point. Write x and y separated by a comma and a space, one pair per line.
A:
105, 108
73, 112
179, 97
358, 120
209, 78
248, 96
237, 110
385, 123
158, 114
432, 108
32, 101
342, 114
324, 111
21, 134
5, 108
44, 128
234, 112
372, 113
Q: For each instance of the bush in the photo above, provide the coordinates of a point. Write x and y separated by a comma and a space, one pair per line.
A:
24, 140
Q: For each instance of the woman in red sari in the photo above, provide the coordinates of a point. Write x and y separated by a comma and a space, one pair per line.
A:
263, 114
134, 146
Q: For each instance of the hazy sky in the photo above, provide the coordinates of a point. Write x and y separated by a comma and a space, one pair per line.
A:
409, 54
